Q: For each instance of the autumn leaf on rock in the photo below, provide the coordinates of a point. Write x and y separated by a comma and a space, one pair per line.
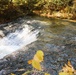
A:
67, 69
30, 61
46, 74
63, 73
36, 65
38, 57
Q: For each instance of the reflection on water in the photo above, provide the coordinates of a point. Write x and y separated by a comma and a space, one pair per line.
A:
17, 40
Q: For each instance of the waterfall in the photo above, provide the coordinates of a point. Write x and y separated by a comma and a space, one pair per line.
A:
16, 40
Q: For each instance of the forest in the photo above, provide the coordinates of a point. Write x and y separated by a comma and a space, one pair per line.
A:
12, 9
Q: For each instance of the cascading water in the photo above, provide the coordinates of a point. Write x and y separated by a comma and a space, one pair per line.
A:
17, 40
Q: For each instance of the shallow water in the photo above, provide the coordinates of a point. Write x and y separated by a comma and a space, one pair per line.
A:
56, 37
53, 34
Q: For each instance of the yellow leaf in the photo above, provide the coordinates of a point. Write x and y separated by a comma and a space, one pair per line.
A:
12, 74
68, 68
39, 52
36, 65
36, 58
30, 62
65, 73
71, 73
71, 69
39, 56
69, 63
46, 74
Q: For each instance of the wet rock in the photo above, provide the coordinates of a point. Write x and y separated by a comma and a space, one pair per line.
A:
60, 59
1, 34
2, 72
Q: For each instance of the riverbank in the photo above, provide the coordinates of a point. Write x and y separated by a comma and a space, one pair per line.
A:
57, 15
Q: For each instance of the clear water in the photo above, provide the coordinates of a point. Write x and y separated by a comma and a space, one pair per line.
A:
56, 37
16, 40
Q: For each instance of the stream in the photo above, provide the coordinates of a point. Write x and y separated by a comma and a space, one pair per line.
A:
17, 40
56, 37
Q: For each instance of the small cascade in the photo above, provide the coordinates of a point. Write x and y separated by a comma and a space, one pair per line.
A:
17, 40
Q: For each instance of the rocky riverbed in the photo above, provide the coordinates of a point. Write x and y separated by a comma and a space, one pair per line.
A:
56, 38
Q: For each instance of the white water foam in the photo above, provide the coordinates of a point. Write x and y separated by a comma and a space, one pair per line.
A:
17, 40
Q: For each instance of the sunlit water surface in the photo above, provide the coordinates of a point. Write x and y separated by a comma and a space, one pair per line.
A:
16, 40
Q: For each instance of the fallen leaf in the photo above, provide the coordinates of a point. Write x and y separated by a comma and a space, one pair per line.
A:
46, 74
39, 56
68, 68
13, 74
30, 61
65, 73
36, 65
39, 52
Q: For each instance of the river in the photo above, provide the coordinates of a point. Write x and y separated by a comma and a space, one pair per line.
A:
56, 37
